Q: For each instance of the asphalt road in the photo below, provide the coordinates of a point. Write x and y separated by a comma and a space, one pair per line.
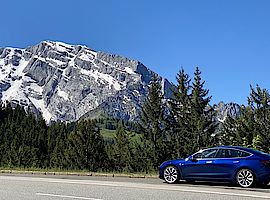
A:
33, 187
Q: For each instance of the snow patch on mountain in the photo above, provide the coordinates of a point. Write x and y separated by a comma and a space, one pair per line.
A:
14, 76
130, 71
62, 94
40, 105
64, 82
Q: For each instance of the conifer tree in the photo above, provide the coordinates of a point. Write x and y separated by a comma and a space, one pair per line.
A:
202, 113
86, 148
152, 123
259, 102
122, 148
57, 151
228, 134
180, 110
251, 127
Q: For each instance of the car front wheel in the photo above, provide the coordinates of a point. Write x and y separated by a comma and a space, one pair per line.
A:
245, 178
171, 174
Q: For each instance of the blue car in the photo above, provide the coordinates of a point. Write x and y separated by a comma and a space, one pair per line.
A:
238, 165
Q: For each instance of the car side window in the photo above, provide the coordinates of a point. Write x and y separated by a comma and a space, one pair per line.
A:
227, 153
231, 153
197, 155
222, 153
210, 153
243, 154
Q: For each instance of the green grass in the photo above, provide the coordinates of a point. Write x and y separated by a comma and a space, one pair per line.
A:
107, 134
55, 171
110, 134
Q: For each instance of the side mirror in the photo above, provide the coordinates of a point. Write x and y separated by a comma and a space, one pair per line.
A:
192, 159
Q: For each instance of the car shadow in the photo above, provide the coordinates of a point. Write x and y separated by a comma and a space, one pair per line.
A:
225, 185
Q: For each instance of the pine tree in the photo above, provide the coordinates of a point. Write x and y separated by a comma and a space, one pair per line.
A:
122, 148
86, 148
251, 127
259, 102
21, 140
228, 134
57, 143
202, 113
239, 131
180, 109
152, 124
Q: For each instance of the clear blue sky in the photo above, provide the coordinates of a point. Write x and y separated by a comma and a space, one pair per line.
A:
228, 39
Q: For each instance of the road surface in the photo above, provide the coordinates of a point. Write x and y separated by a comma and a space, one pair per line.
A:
35, 187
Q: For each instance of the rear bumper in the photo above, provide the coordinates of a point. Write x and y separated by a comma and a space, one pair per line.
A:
263, 177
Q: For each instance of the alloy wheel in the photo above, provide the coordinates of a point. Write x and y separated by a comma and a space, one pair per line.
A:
245, 178
171, 174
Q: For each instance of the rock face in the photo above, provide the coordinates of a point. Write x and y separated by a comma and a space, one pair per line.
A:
65, 82
223, 110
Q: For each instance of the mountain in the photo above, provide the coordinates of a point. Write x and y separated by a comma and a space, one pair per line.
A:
65, 82
226, 109
223, 110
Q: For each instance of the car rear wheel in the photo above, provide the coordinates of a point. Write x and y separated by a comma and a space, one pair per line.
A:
171, 174
245, 178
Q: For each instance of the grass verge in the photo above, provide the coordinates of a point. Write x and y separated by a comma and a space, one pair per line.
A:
37, 171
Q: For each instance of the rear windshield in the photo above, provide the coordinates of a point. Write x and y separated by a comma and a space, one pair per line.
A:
258, 152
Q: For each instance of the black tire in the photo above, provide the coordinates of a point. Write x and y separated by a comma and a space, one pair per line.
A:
171, 174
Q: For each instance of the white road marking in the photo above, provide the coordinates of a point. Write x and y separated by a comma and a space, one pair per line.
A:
179, 188
65, 196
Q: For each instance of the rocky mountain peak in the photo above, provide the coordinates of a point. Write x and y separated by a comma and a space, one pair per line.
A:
226, 109
65, 82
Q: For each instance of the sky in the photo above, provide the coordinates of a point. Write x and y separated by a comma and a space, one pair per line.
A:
228, 40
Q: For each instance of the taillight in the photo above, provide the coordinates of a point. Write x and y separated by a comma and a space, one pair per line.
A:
265, 163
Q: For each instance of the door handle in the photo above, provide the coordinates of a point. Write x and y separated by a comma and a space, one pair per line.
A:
208, 162
236, 161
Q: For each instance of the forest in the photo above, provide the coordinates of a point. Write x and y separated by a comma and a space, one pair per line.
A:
167, 129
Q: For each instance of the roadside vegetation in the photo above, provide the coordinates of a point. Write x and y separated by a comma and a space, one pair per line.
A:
167, 130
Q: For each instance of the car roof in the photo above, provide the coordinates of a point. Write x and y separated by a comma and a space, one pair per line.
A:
252, 151
234, 147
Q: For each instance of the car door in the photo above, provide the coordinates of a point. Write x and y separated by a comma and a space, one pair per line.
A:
201, 167
226, 162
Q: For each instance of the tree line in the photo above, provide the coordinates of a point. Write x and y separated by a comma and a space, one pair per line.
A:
252, 127
168, 129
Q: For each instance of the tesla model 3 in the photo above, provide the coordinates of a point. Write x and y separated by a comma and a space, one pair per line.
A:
238, 165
